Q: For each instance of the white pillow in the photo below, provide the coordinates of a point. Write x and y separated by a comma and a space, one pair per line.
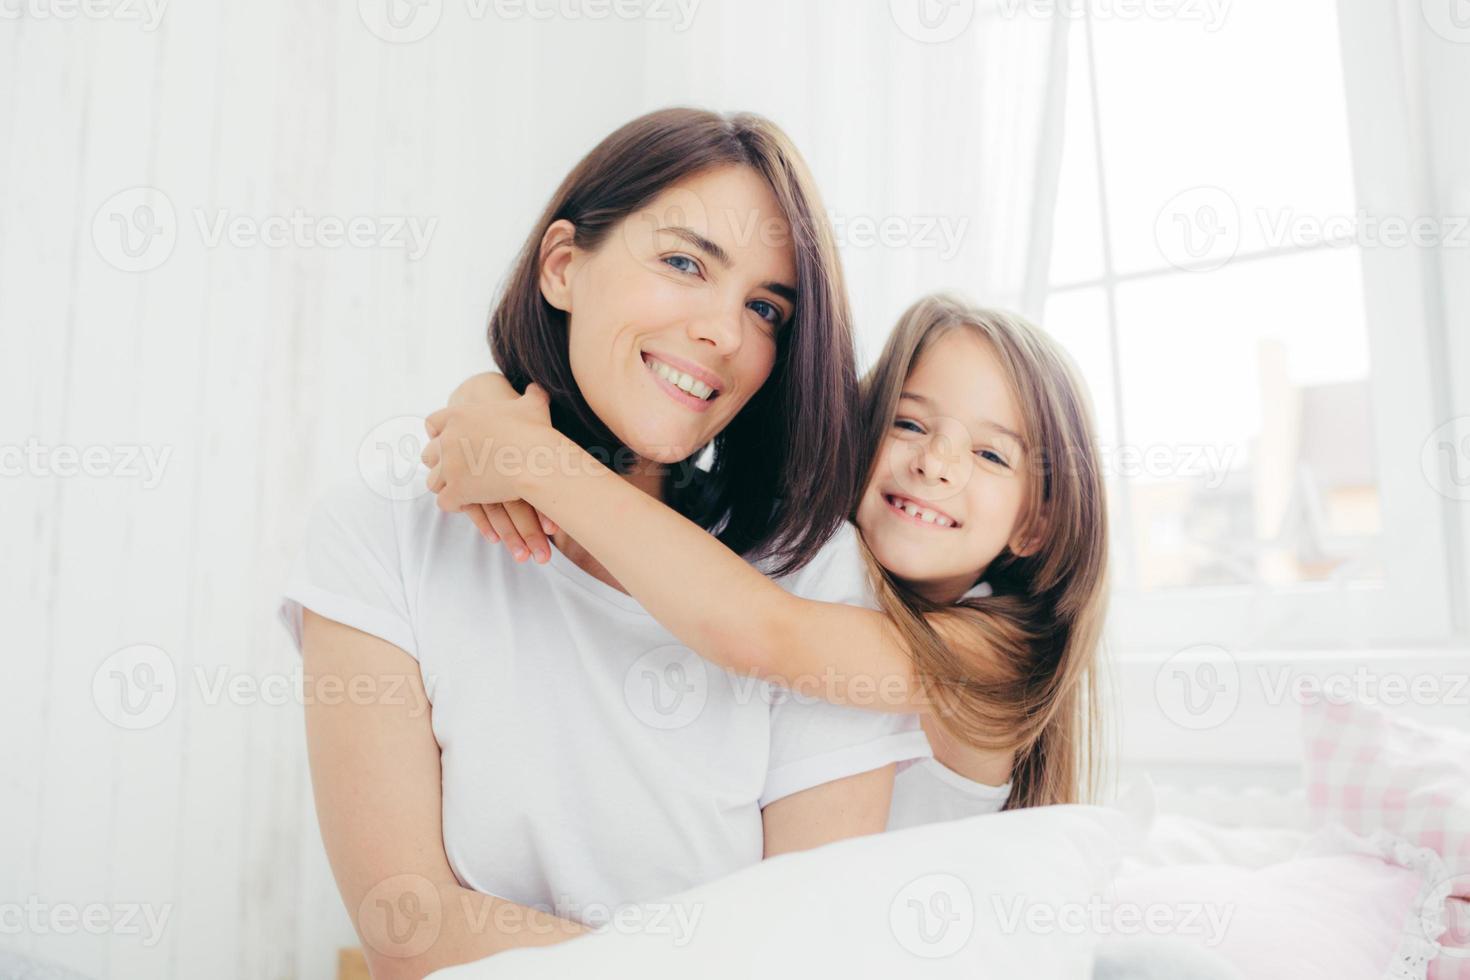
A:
997, 895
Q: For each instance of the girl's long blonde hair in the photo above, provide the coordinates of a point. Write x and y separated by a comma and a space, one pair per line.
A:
1028, 683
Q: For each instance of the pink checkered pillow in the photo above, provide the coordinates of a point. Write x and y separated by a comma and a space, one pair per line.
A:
1371, 771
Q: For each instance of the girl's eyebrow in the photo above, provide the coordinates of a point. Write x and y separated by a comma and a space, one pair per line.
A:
928, 403
716, 252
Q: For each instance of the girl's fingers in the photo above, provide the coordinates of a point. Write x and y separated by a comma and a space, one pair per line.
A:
481, 520
488, 529
430, 455
548, 525
501, 522
528, 523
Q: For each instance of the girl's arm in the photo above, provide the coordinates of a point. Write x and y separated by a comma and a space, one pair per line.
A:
703, 593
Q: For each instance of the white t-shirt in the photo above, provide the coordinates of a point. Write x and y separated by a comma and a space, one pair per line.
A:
927, 791
589, 760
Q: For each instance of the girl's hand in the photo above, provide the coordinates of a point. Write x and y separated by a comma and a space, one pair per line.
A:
515, 522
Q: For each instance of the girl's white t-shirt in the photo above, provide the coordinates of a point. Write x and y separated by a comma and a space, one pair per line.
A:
927, 791
589, 759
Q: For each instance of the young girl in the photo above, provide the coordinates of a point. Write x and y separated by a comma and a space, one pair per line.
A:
984, 528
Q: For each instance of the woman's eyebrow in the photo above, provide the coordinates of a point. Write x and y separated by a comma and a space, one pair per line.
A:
718, 253
928, 403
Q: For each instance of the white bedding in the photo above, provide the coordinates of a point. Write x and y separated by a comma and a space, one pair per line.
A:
943, 901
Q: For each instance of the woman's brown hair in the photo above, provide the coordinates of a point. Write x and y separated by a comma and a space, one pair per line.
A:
1020, 671
784, 471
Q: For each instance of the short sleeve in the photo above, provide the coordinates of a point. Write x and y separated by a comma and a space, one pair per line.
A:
813, 742
349, 567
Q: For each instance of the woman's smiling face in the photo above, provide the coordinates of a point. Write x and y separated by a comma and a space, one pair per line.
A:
954, 455
673, 319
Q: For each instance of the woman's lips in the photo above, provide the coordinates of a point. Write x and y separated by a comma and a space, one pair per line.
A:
674, 391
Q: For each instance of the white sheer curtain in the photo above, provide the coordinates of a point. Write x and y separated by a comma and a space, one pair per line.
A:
260, 367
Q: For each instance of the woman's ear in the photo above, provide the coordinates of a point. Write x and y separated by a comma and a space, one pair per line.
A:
558, 250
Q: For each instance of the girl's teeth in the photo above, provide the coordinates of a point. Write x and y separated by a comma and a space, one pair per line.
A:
927, 516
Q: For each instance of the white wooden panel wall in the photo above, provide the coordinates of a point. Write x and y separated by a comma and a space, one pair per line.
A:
258, 370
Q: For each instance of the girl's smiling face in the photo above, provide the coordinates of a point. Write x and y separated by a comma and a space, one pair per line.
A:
949, 488
674, 318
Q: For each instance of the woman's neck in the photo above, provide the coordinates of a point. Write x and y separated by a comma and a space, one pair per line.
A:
648, 476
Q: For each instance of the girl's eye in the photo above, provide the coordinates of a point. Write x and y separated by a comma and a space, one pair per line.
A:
766, 311
991, 455
907, 425
671, 260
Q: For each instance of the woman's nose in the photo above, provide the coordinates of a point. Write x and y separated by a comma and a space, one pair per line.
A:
721, 327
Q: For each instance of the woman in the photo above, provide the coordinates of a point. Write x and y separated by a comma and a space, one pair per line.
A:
576, 757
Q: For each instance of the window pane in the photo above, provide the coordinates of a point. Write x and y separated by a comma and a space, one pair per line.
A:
1247, 442
1236, 131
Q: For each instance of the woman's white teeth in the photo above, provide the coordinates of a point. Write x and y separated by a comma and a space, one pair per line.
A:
679, 379
927, 516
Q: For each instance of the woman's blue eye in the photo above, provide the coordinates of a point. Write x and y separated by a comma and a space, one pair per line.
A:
671, 259
770, 314
912, 426
988, 454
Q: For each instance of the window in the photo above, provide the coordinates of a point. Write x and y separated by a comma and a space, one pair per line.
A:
1227, 268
